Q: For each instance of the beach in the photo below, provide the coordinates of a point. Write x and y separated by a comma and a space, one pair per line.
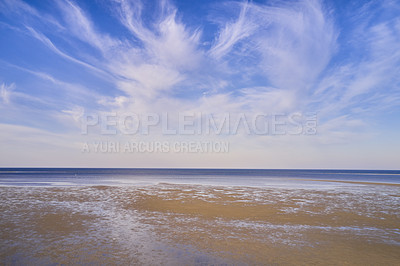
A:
170, 224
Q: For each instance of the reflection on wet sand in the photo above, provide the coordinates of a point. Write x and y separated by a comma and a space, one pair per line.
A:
193, 224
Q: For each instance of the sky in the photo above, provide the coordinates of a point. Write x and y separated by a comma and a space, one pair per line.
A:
321, 77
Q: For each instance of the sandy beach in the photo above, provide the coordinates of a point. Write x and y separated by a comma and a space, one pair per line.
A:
199, 224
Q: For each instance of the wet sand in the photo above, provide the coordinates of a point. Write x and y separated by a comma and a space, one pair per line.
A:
171, 224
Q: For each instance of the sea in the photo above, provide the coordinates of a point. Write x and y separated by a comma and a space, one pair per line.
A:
233, 177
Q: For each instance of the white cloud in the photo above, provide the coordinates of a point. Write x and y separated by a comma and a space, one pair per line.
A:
47, 42
152, 79
233, 32
82, 27
72, 90
168, 43
6, 91
118, 102
369, 82
298, 42
26, 12
76, 112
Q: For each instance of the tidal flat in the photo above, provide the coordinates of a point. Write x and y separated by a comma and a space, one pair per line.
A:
171, 224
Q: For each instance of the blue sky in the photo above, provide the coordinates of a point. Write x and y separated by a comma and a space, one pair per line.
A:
61, 60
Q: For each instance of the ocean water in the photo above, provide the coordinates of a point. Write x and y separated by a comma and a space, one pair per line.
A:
234, 177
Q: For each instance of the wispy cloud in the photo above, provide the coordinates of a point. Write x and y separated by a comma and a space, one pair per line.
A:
46, 41
82, 27
5, 92
232, 32
26, 13
370, 82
